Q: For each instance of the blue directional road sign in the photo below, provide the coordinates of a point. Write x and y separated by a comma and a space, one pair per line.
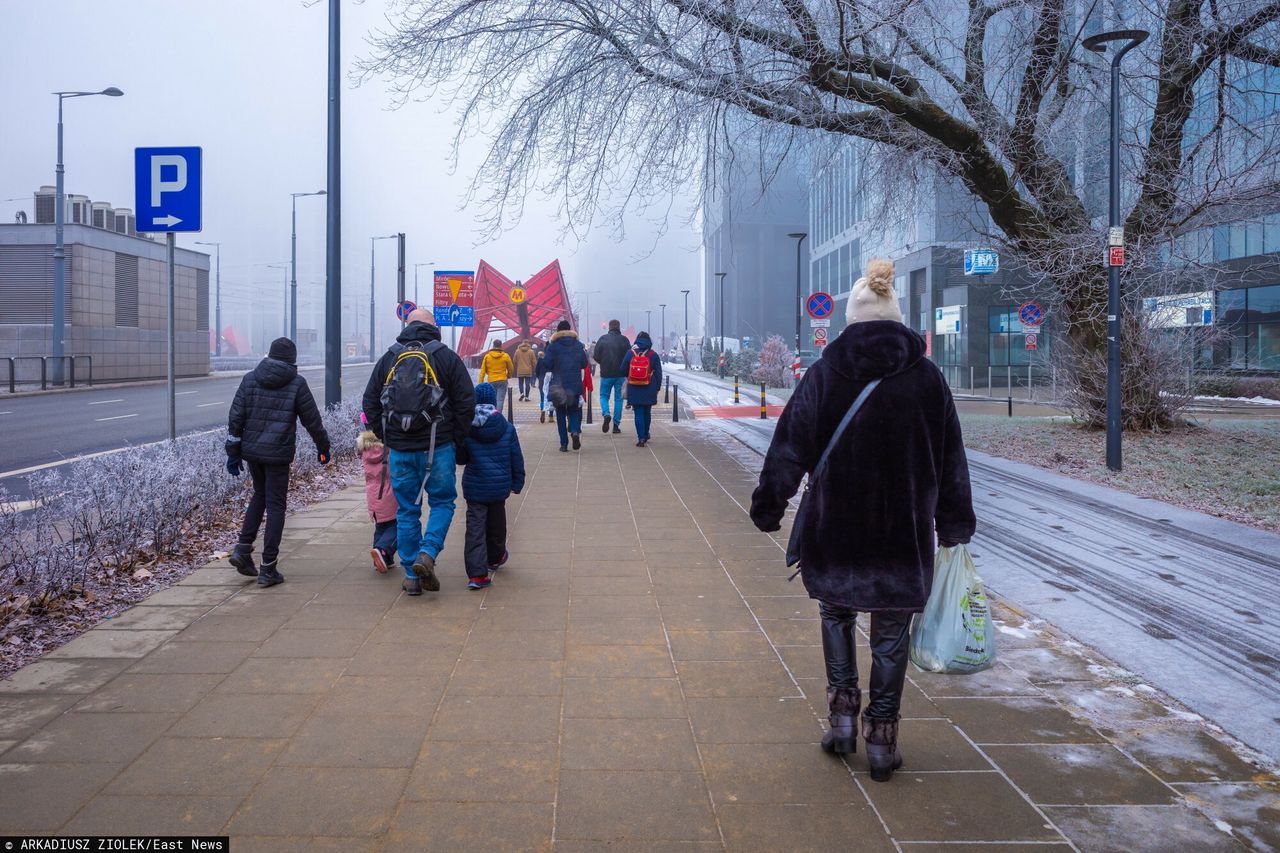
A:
820, 305
981, 261
166, 189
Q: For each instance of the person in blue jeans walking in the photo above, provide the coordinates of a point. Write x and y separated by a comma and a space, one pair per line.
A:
643, 369
422, 456
565, 360
609, 352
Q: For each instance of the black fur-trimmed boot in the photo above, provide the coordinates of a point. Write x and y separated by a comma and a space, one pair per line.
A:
881, 736
842, 737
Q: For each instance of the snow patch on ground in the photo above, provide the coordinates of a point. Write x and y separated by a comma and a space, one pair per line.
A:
1263, 401
1223, 826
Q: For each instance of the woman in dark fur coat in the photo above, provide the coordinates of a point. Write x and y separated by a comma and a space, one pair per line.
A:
897, 475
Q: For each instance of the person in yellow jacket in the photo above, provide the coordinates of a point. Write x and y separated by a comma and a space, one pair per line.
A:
495, 368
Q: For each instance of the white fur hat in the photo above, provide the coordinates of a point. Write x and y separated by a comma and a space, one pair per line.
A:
873, 297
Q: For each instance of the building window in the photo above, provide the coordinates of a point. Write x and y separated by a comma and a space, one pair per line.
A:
202, 300
127, 291
1253, 316
1007, 338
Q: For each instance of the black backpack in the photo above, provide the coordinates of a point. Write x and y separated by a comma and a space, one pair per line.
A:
412, 397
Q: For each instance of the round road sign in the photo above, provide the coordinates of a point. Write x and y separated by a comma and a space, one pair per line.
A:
1031, 341
404, 309
820, 305
1031, 314
819, 334
517, 295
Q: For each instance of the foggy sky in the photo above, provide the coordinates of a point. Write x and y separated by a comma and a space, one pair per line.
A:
245, 80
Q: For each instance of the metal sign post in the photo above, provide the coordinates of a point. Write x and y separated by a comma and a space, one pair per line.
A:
167, 200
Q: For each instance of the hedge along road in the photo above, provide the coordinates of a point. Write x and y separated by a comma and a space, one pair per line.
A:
51, 428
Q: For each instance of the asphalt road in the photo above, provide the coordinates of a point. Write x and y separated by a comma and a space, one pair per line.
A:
1187, 602
52, 427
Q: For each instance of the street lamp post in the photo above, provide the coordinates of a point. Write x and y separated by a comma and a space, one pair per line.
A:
333, 217
293, 266
372, 302
217, 285
1097, 44
415, 280
799, 238
686, 329
59, 249
285, 323
648, 319
663, 306
721, 275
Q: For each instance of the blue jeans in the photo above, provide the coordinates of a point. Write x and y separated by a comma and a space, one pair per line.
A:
569, 421
644, 418
408, 470
611, 387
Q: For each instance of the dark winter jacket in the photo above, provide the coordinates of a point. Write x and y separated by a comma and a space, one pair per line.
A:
898, 471
496, 468
565, 360
610, 350
455, 379
643, 395
262, 425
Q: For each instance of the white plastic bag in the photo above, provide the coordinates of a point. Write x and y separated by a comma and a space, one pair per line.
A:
954, 633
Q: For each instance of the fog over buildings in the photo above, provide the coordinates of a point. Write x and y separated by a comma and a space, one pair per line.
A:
245, 80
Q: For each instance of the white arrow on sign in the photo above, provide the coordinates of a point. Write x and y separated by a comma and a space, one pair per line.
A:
169, 220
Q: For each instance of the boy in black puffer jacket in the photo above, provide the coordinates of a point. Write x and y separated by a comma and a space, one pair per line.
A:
262, 430
495, 470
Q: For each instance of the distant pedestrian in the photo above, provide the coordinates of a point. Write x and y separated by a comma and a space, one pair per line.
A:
262, 430
526, 362
379, 496
419, 402
643, 369
897, 474
495, 471
565, 361
610, 350
495, 368
540, 374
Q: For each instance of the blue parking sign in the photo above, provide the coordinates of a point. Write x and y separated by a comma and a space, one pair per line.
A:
166, 189
981, 261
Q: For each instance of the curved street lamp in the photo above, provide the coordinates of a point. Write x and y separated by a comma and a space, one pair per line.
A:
59, 249
1097, 44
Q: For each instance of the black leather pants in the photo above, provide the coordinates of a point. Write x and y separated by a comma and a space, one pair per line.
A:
890, 646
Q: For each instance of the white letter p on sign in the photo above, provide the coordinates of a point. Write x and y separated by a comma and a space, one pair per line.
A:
159, 186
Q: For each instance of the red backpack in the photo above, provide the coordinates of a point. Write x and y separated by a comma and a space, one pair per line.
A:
641, 370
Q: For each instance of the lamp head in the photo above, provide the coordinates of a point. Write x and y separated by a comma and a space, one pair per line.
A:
798, 235
1097, 42
111, 91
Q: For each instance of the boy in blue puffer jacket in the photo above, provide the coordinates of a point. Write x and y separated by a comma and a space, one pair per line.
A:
495, 472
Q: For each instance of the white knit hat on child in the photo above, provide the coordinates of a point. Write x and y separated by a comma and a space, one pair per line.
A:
873, 297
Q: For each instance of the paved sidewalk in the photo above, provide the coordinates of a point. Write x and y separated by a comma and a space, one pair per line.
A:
641, 677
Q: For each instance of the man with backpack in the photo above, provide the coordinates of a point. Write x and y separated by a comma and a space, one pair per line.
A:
420, 402
609, 351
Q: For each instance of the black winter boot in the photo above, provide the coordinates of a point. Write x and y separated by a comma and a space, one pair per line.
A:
844, 704
241, 560
270, 574
882, 746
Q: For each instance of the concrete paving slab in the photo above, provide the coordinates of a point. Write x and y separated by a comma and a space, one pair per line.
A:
604, 805
198, 767
478, 827
40, 798
453, 772
107, 643
353, 801
1087, 774
102, 738
1152, 829
141, 692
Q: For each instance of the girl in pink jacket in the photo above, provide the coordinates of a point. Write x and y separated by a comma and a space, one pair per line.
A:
381, 500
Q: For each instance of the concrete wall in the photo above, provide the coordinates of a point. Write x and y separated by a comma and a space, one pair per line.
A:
118, 352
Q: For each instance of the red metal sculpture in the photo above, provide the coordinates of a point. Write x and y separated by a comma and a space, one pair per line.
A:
510, 316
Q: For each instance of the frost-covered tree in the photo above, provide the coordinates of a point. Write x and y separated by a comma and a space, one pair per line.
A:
774, 368
614, 105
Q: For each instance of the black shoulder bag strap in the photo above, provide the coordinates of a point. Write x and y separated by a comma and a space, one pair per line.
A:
797, 524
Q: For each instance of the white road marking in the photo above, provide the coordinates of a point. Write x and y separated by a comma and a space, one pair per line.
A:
20, 471
6, 413
116, 417
214, 403
104, 402
181, 393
